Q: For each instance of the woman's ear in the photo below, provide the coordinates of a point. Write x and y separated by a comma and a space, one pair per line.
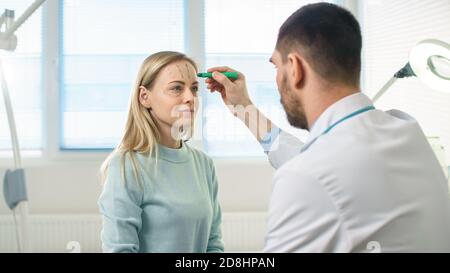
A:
144, 97
296, 68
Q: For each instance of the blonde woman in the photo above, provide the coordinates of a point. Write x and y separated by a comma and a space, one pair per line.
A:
160, 195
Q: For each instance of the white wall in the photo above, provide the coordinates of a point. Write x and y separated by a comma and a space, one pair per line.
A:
73, 187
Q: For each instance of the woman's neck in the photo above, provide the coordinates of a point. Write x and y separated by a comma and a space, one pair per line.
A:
166, 137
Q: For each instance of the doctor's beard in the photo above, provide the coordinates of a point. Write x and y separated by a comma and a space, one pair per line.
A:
292, 106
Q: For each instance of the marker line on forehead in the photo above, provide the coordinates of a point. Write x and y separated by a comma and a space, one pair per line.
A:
191, 72
187, 67
181, 72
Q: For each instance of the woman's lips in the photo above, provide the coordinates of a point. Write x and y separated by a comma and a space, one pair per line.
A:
186, 111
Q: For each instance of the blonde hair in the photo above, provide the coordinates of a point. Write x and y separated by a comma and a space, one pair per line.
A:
141, 131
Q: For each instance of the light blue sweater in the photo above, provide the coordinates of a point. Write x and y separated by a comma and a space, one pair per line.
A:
176, 210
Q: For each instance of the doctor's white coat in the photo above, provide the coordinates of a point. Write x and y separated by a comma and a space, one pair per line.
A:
372, 183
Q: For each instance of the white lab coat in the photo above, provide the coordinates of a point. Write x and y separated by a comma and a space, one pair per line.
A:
371, 184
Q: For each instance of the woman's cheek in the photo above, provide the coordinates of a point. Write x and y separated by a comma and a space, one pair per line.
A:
163, 112
174, 111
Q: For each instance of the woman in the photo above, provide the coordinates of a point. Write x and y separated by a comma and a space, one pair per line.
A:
160, 195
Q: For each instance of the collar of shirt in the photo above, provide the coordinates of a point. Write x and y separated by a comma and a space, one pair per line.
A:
173, 155
337, 111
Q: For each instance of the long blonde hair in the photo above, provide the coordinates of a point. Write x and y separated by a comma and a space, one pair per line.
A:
141, 131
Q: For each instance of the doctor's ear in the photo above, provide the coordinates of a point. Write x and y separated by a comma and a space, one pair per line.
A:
144, 97
296, 69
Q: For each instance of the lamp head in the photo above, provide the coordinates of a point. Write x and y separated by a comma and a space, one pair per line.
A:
430, 61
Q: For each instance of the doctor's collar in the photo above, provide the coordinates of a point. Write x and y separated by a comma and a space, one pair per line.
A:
336, 111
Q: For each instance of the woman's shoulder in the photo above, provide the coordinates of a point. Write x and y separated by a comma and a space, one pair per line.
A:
120, 177
116, 158
125, 160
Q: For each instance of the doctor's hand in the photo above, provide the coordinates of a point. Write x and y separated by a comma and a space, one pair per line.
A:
233, 92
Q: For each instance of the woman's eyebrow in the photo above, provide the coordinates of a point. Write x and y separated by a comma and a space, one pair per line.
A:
182, 82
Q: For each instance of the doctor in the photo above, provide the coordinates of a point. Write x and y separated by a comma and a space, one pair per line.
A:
365, 179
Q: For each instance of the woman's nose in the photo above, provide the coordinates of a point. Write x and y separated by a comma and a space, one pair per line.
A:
189, 96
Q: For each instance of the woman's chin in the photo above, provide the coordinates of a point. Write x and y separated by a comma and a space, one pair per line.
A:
183, 129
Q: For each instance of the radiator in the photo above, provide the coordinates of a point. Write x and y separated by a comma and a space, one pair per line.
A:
242, 232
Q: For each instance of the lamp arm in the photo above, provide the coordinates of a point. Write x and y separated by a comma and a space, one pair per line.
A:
405, 72
10, 31
15, 181
11, 120
21, 207
384, 88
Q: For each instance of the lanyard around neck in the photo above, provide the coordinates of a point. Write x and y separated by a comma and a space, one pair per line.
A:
356, 113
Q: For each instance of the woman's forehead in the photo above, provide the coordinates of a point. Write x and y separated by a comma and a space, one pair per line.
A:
180, 69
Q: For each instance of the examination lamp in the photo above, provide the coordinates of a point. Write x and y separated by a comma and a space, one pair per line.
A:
429, 61
14, 186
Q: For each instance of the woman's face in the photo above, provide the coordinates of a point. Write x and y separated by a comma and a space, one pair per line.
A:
172, 98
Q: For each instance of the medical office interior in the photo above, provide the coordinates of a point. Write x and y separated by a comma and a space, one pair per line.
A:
69, 79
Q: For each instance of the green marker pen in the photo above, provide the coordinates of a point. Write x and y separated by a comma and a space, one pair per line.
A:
231, 75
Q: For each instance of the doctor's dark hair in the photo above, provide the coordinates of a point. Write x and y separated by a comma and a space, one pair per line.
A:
328, 37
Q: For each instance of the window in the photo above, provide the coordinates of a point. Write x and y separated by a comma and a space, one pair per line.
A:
104, 43
391, 29
103, 70
245, 43
22, 69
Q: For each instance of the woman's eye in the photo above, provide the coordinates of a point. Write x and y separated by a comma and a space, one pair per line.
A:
195, 89
177, 88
